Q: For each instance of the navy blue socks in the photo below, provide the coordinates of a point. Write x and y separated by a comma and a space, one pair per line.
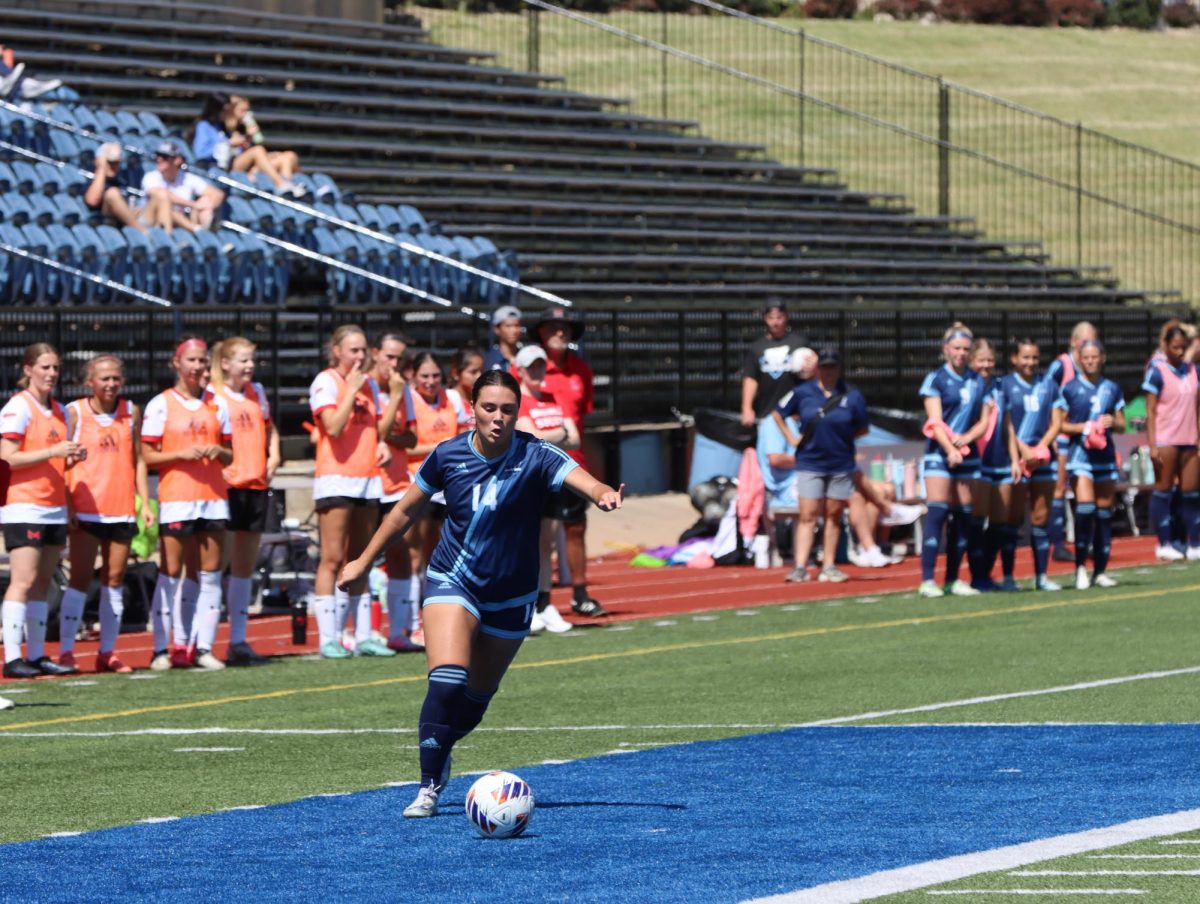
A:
436, 728
936, 514
1103, 542
1085, 529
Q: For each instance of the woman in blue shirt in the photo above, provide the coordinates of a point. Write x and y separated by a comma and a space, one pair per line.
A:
955, 418
831, 415
1095, 409
999, 470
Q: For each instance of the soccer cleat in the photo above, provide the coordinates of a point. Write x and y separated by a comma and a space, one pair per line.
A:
331, 649
1103, 580
1193, 554
1062, 554
589, 608
1082, 581
537, 624
404, 644
425, 804
859, 558
48, 666
798, 575
417, 636
877, 558
930, 590
554, 621
831, 574
1045, 584
207, 662
372, 647
242, 654
108, 662
68, 659
987, 585
5, 703
19, 668
1009, 585
961, 588
1168, 554
161, 662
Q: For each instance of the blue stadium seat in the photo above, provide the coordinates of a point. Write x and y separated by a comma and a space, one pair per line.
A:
115, 252
34, 284
267, 215
389, 220
85, 118
71, 210
19, 211
163, 280
45, 211
90, 258
324, 188
64, 147
246, 283
368, 215
106, 125
411, 219
214, 269
139, 263
64, 249
188, 266
128, 123
50, 178
151, 124
8, 179
347, 212
27, 177
241, 212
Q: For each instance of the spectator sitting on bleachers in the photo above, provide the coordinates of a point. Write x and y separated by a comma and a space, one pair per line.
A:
14, 84
109, 189
178, 198
245, 136
214, 146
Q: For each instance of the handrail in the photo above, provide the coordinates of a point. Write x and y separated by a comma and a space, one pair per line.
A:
80, 274
307, 209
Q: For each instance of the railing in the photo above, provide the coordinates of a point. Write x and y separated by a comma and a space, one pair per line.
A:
1090, 198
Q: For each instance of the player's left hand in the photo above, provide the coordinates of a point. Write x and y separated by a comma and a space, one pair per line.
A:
351, 573
611, 499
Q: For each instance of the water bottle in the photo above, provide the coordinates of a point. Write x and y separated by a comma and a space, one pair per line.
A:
300, 620
877, 472
761, 549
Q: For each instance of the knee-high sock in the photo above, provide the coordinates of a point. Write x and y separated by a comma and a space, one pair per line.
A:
1056, 525
161, 613
208, 611
13, 615
1007, 537
1160, 516
362, 616
439, 715
238, 600
341, 608
1085, 530
935, 521
112, 607
470, 712
327, 627
70, 611
1191, 517
399, 607
416, 594
36, 613
957, 532
1103, 542
978, 559
183, 612
1039, 542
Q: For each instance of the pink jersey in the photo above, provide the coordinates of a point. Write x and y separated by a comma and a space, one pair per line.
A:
1175, 416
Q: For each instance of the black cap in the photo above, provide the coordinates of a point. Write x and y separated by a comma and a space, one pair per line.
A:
558, 314
773, 304
828, 356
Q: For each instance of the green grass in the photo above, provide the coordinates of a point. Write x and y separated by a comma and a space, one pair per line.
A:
624, 689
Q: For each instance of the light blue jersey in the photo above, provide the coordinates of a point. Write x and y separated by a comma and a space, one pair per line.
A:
962, 404
1030, 408
1087, 402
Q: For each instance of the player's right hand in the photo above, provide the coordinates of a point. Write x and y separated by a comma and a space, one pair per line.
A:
351, 573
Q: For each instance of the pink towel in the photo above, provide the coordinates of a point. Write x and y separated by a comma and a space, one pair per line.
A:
1041, 455
1093, 436
928, 430
751, 496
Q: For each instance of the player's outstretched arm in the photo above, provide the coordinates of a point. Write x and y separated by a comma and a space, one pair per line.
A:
407, 511
601, 495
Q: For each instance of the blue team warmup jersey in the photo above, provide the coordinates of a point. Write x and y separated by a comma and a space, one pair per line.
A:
1031, 405
996, 462
1087, 402
962, 400
488, 552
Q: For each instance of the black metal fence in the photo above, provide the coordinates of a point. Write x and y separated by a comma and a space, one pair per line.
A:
646, 362
1090, 198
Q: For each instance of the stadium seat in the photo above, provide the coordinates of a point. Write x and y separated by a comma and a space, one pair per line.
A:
8, 179
163, 279
128, 123
64, 250
63, 146
44, 210
324, 188
411, 218
85, 118
106, 125
152, 125
19, 211
27, 176
50, 178
139, 263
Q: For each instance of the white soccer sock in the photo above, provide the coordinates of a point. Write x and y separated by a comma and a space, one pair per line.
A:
112, 607
36, 613
399, 606
161, 612
183, 611
326, 618
238, 600
416, 594
341, 607
362, 617
12, 613
208, 610
69, 614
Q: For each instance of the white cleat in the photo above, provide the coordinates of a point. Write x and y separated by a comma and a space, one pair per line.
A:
1082, 581
537, 624
206, 661
961, 588
1168, 554
1046, 585
1103, 580
5, 703
1193, 554
554, 622
930, 590
425, 804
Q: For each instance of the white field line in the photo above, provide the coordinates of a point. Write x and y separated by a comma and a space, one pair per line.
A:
1181, 841
318, 732
1144, 857
210, 749
1106, 872
1056, 892
950, 869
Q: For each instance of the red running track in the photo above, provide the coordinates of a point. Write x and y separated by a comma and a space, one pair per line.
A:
640, 593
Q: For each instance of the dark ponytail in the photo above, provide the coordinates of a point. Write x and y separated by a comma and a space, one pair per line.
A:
501, 378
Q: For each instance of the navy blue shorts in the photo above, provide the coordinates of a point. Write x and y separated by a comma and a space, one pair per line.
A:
934, 465
508, 619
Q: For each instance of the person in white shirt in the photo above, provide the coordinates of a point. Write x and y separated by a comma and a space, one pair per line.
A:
178, 198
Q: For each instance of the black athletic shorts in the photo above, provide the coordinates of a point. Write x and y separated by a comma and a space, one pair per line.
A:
327, 502
193, 527
248, 510
119, 531
36, 535
566, 506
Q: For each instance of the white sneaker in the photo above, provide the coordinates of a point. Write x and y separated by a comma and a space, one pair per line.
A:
899, 551
1168, 554
33, 88
1082, 581
10, 81
554, 621
208, 662
425, 804
1193, 554
537, 624
5, 703
1103, 580
161, 662
1045, 584
877, 558
901, 514
930, 590
858, 558
961, 588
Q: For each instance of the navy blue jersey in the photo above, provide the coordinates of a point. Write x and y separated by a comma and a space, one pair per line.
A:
1031, 405
995, 453
830, 448
489, 543
1087, 402
962, 400
1062, 370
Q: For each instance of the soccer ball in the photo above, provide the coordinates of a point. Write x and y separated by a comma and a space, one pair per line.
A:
499, 805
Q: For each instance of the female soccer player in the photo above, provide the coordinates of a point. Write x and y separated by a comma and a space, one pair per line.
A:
35, 444
992, 493
483, 577
104, 489
256, 457
542, 416
955, 418
1036, 409
1062, 370
1095, 409
346, 408
1172, 396
387, 363
189, 441
465, 367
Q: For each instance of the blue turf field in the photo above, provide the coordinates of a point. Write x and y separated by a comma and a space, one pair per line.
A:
711, 821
